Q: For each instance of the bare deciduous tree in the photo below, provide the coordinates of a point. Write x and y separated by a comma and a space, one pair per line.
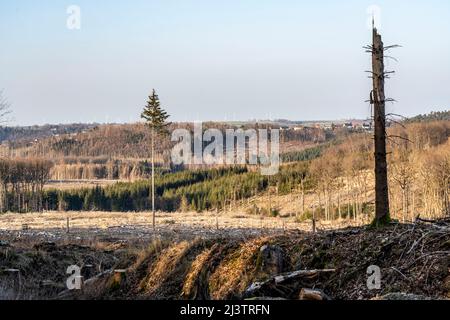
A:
22, 184
4, 108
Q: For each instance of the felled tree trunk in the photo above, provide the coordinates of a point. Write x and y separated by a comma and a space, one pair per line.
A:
286, 284
311, 294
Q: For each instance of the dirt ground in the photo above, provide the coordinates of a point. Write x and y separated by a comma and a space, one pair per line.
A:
53, 225
121, 257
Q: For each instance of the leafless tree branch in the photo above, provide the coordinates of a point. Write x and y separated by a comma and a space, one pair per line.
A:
4, 108
399, 137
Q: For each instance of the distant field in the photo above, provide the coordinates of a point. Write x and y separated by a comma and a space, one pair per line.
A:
104, 220
135, 225
77, 184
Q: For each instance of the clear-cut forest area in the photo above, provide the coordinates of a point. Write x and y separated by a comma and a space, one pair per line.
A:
327, 173
224, 156
224, 232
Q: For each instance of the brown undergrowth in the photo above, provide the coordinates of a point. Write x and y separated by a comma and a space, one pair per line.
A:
413, 259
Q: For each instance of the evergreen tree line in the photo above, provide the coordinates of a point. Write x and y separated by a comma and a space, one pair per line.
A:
432, 116
304, 155
191, 190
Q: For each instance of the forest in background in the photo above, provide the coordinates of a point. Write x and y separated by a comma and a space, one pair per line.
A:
121, 152
335, 167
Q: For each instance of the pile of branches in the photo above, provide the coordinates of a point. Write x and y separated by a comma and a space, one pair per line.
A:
413, 258
425, 257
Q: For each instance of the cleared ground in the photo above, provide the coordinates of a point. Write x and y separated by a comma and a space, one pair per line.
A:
59, 225
413, 261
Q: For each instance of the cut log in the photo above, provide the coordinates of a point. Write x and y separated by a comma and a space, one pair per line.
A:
97, 277
306, 274
286, 284
312, 294
51, 284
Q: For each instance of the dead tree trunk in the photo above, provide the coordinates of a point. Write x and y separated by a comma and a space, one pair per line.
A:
378, 100
303, 198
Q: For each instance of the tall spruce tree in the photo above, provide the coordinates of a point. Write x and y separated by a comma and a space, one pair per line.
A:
156, 119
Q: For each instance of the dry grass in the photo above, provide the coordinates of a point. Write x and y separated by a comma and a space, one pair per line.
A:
173, 221
197, 275
235, 271
167, 262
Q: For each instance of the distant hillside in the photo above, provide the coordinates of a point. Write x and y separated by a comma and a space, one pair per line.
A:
30, 133
131, 141
433, 116
119, 151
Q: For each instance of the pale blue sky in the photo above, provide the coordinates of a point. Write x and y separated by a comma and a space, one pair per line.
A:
211, 60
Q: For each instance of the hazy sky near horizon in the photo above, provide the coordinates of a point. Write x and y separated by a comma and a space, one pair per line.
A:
211, 60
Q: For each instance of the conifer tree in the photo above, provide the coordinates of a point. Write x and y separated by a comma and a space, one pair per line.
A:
156, 119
